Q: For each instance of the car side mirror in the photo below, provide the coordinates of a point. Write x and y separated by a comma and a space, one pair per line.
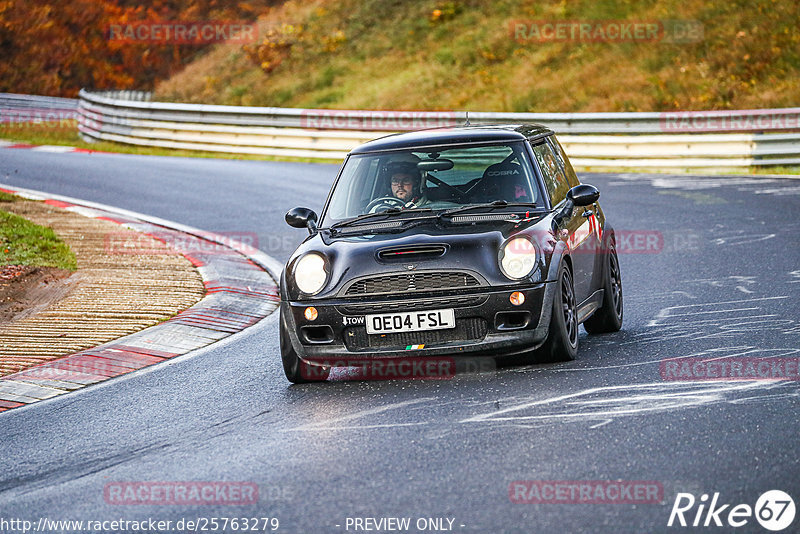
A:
302, 218
583, 195
580, 195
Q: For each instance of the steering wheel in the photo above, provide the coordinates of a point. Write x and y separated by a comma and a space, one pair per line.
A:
387, 201
456, 192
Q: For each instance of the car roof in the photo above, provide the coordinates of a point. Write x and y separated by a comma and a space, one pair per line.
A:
454, 136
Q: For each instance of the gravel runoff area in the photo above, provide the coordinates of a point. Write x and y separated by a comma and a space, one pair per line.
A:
117, 289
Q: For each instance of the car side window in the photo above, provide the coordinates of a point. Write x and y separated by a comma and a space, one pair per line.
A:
355, 178
572, 178
554, 178
360, 190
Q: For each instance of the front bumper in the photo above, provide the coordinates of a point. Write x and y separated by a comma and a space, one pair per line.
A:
487, 324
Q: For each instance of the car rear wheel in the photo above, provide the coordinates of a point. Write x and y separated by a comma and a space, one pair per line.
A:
608, 318
561, 344
294, 368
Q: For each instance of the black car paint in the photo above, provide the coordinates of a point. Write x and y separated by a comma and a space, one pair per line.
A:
562, 233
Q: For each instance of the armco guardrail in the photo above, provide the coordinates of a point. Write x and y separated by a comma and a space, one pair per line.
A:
651, 140
15, 108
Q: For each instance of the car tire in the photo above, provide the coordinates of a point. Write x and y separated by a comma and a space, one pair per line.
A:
608, 317
296, 371
561, 344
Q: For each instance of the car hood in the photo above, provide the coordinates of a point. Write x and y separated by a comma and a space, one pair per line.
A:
472, 247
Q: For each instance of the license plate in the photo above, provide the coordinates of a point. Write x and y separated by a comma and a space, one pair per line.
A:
390, 323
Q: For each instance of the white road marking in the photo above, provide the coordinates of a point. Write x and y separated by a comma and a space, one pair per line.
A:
359, 427
665, 313
329, 424
666, 294
744, 351
598, 425
781, 191
708, 312
607, 402
625, 400
742, 239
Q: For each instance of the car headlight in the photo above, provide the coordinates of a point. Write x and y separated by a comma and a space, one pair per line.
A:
310, 273
518, 258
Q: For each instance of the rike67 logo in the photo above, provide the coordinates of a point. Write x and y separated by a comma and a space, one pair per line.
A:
774, 510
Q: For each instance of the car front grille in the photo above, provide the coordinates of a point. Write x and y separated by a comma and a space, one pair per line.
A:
411, 305
467, 329
410, 282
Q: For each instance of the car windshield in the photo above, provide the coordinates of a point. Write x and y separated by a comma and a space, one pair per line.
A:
433, 179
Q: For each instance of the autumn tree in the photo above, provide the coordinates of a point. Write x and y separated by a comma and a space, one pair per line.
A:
56, 48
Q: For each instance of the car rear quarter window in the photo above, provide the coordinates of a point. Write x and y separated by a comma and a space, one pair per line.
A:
555, 180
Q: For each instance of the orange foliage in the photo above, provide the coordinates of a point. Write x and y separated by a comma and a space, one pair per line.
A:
57, 47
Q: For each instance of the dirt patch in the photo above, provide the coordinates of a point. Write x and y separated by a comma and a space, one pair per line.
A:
26, 290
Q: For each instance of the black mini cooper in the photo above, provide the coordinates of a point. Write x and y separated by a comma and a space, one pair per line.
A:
474, 241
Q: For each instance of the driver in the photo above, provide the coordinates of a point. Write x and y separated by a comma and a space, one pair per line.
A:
405, 184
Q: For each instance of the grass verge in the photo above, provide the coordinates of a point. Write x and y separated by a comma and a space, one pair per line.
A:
25, 243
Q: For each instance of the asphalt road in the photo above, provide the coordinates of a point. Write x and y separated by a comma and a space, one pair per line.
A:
722, 280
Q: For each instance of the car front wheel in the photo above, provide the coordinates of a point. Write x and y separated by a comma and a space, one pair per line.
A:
561, 344
608, 318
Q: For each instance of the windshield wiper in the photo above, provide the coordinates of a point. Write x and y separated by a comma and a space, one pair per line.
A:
495, 204
386, 214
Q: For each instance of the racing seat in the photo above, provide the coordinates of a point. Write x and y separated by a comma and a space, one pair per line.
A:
503, 181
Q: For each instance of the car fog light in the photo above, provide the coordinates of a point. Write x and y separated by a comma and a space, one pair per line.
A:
517, 298
310, 313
